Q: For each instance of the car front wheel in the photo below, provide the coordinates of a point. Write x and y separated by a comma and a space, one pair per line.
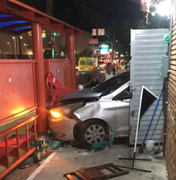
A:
92, 132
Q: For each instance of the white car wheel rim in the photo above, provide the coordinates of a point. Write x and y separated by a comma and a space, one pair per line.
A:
94, 134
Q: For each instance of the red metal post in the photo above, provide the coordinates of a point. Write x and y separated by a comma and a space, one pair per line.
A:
18, 144
40, 81
7, 151
71, 56
27, 138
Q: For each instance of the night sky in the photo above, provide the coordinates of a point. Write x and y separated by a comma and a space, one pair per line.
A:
87, 14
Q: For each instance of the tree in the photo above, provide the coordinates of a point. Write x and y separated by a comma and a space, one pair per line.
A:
121, 31
85, 53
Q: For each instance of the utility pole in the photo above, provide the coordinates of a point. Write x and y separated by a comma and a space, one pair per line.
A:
49, 11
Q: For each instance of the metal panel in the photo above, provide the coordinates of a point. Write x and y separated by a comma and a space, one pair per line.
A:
57, 68
61, 70
67, 74
147, 49
17, 87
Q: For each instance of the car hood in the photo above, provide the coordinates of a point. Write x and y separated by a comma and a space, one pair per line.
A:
79, 94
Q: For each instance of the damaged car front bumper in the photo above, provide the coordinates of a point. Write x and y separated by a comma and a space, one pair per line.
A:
62, 121
63, 128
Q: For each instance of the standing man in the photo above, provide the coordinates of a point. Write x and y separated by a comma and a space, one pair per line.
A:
114, 69
108, 74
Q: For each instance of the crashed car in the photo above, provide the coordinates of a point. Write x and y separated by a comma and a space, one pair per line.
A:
87, 115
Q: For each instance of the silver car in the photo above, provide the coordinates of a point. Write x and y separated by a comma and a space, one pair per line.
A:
87, 115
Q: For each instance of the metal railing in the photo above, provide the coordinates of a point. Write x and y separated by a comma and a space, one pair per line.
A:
26, 147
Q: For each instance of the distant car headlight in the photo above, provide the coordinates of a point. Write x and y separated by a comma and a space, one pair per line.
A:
58, 113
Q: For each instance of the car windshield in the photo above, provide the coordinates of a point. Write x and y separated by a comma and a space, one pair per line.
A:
82, 62
89, 63
112, 84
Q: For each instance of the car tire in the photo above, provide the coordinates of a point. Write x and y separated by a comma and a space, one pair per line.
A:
92, 132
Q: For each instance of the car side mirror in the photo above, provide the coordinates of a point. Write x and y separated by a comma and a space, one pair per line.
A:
125, 95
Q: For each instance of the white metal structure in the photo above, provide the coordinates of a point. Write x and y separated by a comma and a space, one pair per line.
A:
147, 50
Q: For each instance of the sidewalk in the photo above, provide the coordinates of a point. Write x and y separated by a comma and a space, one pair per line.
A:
72, 159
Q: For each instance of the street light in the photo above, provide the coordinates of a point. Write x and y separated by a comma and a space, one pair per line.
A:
15, 50
9, 47
26, 45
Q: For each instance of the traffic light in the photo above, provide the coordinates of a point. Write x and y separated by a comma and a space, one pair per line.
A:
55, 34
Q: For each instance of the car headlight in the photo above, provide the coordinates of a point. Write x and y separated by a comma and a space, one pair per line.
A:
55, 114
58, 113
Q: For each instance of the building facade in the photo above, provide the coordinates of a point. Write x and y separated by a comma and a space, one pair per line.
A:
22, 44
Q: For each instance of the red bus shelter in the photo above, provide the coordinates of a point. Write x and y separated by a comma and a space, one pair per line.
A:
23, 81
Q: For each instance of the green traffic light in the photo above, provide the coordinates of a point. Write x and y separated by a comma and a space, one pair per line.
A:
55, 34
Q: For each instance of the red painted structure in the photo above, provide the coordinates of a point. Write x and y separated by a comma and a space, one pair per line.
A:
40, 81
23, 81
58, 87
18, 92
60, 69
11, 146
71, 56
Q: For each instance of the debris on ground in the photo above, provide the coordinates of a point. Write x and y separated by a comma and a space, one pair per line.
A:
97, 172
26, 163
44, 144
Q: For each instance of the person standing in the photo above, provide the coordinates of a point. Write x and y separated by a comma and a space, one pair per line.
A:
114, 69
108, 74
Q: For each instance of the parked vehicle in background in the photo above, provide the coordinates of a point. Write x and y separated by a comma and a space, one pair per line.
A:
87, 115
85, 64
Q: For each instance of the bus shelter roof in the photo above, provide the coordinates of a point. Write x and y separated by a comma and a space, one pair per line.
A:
16, 18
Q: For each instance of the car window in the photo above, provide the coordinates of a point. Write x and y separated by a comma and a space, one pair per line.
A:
119, 94
112, 84
82, 62
89, 63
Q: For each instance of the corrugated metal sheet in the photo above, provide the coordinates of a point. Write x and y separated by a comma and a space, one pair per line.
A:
147, 49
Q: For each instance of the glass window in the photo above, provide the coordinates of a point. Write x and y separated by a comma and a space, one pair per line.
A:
89, 63
112, 84
126, 90
82, 63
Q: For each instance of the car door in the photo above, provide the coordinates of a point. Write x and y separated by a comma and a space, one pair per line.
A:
122, 112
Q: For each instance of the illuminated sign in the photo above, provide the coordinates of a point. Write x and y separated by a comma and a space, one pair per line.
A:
104, 49
93, 41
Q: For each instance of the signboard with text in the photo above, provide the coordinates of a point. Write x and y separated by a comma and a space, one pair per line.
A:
93, 41
99, 32
104, 49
